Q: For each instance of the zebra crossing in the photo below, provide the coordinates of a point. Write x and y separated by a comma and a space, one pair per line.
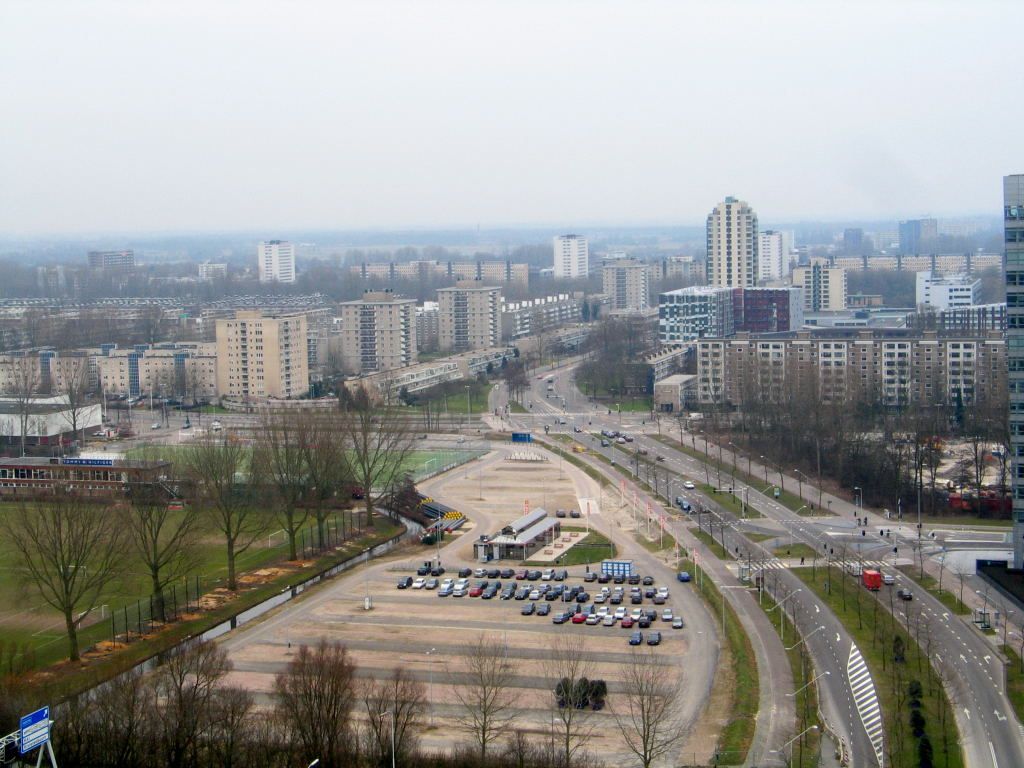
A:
866, 699
778, 564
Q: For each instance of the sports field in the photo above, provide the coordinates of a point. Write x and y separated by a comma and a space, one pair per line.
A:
26, 620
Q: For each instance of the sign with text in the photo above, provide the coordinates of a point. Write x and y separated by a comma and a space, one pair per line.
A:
35, 730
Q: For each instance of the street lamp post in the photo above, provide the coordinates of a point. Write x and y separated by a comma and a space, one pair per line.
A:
812, 682
799, 735
805, 638
430, 689
859, 500
764, 463
389, 713
779, 604
800, 482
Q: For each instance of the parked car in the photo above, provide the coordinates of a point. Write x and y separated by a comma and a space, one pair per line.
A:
593, 619
532, 575
666, 615
405, 582
560, 513
636, 598
605, 444
634, 578
654, 638
608, 621
603, 578
636, 638
683, 576
659, 599
522, 593
582, 597
431, 583
445, 591
677, 622
659, 457
508, 592
643, 622
547, 574
616, 598
419, 583
579, 618
423, 570
155, 425
476, 591
493, 573
521, 574
543, 609
688, 485
528, 609
507, 573
437, 570
648, 581
561, 575
465, 573
590, 577
626, 622
575, 513
480, 572
561, 617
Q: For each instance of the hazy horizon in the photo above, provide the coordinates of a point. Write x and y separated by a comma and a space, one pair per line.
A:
403, 116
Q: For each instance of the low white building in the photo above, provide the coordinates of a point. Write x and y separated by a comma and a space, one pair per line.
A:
49, 420
947, 292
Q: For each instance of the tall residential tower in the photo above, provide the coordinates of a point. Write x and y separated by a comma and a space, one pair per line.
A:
276, 261
1013, 223
732, 245
572, 257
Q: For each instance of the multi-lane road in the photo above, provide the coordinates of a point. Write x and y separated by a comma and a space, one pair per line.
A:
991, 736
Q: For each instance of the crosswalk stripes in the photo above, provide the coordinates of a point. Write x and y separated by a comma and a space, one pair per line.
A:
866, 699
777, 564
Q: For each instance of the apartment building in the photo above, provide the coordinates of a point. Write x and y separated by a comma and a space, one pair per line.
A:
732, 242
918, 235
47, 370
276, 260
890, 367
692, 313
377, 332
946, 291
493, 272
571, 256
186, 370
469, 317
427, 326
627, 283
261, 356
112, 261
772, 259
679, 267
1013, 234
824, 287
768, 310
209, 271
520, 318
945, 263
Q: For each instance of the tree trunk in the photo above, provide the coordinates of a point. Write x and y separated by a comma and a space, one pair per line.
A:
292, 550
69, 622
369, 508
159, 607
232, 583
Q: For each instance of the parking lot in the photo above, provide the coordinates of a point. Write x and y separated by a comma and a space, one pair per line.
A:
427, 635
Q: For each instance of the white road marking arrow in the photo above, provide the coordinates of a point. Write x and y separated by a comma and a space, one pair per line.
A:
967, 712
837, 637
999, 716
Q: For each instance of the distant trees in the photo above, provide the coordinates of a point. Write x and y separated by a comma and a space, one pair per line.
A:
485, 698
70, 550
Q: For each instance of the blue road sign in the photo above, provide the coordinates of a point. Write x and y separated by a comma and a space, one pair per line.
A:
35, 730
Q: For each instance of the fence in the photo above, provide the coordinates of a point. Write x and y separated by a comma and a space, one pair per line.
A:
184, 599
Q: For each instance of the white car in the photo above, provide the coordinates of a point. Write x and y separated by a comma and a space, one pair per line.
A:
547, 574
688, 485
447, 583
608, 621
480, 573
636, 614
535, 595
216, 426
620, 613
666, 615
419, 583
593, 619
155, 425
663, 591
603, 610
888, 579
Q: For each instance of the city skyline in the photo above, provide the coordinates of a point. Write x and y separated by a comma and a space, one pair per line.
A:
385, 117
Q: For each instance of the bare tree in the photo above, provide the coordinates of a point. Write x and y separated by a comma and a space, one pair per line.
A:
23, 386
164, 537
326, 461
74, 386
396, 702
231, 712
485, 694
186, 686
223, 487
567, 665
646, 718
70, 551
314, 698
280, 458
380, 441
961, 572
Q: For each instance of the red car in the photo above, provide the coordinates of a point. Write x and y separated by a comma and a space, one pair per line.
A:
476, 592
579, 618
626, 622
520, 575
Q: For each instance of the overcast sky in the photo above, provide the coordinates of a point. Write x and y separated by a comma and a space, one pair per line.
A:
141, 115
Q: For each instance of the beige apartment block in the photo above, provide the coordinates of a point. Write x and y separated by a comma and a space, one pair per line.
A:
824, 287
732, 242
377, 332
627, 283
262, 356
891, 368
168, 370
469, 317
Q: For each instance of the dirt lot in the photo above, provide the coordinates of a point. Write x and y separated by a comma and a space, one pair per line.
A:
404, 624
